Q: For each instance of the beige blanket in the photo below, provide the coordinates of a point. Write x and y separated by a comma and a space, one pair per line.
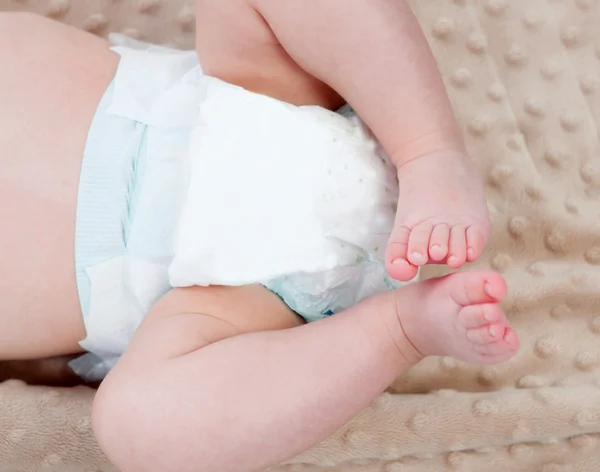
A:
524, 80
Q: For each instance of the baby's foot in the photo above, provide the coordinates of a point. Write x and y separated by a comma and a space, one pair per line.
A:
458, 316
442, 215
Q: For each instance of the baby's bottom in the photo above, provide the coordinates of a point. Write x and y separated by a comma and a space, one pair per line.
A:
243, 385
51, 82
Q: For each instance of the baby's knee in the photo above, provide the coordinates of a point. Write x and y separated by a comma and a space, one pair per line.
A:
124, 429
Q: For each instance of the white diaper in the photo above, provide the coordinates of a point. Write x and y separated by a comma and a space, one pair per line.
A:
299, 199
187, 180
131, 186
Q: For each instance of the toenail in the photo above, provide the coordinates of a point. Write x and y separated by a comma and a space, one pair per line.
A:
400, 261
470, 251
492, 331
435, 246
416, 254
487, 288
452, 259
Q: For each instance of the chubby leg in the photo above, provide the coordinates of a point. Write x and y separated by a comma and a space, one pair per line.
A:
190, 363
52, 79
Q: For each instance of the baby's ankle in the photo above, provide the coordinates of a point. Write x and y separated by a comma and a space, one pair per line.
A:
453, 153
392, 311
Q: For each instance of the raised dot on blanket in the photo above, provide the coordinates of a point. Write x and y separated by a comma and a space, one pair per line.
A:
500, 174
515, 142
443, 28
148, 6
556, 158
589, 83
448, 363
95, 23
547, 396
534, 192
521, 432
586, 361
132, 33
571, 121
586, 4
585, 418
520, 450
595, 325
501, 262
496, 92
461, 78
593, 255
539, 269
477, 43
419, 421
516, 55
552, 68
488, 377
457, 460
12, 383
572, 207
571, 36
495, 7
535, 107
57, 8
590, 173
556, 241
480, 126
545, 347
532, 19
186, 19
485, 408
517, 226
530, 381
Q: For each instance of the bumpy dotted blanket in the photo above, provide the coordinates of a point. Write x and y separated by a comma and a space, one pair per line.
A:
524, 81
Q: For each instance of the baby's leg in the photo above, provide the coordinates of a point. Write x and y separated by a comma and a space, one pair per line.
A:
183, 400
52, 77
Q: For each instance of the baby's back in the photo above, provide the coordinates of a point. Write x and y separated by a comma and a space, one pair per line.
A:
236, 45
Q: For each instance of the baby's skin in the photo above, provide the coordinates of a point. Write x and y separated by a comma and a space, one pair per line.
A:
442, 214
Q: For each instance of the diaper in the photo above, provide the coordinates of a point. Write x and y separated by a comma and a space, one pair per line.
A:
299, 199
132, 182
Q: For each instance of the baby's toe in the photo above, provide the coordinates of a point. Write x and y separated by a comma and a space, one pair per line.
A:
418, 244
477, 316
397, 264
457, 252
438, 243
475, 243
508, 344
486, 334
474, 288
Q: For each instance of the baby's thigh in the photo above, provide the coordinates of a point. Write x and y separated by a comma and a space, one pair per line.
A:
188, 319
52, 79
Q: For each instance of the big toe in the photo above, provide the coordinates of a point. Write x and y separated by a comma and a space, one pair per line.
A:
471, 288
400, 269
396, 256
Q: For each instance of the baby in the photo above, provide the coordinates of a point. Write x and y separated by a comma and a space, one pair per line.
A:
85, 129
